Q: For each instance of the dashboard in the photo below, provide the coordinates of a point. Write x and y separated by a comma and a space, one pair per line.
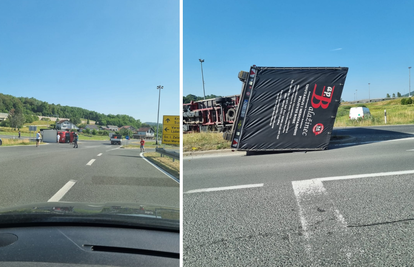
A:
88, 246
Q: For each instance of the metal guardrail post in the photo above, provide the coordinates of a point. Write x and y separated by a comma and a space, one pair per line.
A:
171, 154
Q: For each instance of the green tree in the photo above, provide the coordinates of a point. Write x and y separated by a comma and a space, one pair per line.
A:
16, 118
94, 132
398, 94
393, 95
87, 122
409, 101
75, 120
87, 131
28, 118
5, 123
403, 101
126, 132
388, 96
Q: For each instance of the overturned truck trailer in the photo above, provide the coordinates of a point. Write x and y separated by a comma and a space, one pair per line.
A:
287, 109
216, 114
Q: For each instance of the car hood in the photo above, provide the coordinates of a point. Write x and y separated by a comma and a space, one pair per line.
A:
108, 214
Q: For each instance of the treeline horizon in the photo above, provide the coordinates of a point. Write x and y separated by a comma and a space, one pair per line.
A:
31, 106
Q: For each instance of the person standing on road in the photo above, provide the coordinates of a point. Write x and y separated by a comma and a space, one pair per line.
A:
75, 140
57, 138
38, 139
19, 134
142, 145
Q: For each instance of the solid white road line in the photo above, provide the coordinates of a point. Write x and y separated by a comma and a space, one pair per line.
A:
368, 175
59, 194
90, 162
100, 154
223, 188
158, 168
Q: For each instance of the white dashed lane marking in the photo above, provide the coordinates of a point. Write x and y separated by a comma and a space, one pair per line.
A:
59, 194
90, 162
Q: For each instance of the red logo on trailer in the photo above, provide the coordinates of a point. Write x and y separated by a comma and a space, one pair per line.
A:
318, 128
324, 99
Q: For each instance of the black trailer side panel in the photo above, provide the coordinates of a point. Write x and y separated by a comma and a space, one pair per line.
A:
288, 108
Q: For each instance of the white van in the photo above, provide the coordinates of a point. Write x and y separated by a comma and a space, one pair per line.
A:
359, 112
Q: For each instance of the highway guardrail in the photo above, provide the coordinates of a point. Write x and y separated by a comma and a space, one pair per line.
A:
172, 154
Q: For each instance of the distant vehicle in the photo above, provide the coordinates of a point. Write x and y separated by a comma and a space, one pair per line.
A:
359, 112
1, 142
116, 139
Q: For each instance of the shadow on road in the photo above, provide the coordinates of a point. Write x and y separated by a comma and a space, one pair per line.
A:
354, 137
361, 136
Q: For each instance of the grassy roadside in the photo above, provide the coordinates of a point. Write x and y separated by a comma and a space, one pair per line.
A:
396, 114
135, 143
165, 163
16, 142
204, 141
86, 137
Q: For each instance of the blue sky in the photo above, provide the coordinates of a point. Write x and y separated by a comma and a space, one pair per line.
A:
373, 38
106, 56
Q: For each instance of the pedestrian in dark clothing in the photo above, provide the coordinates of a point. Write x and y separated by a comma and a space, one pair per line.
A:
75, 140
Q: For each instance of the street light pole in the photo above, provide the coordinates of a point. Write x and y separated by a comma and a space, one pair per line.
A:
159, 87
202, 77
369, 92
409, 81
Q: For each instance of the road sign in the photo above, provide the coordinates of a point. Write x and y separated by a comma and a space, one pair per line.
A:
171, 130
32, 128
171, 120
127, 137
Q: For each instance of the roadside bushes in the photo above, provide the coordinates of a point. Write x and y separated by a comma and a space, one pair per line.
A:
406, 101
343, 111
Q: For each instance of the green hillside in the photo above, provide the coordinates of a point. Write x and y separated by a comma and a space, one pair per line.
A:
30, 108
397, 113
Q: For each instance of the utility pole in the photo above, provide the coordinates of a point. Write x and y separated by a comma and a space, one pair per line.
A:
409, 81
159, 87
369, 92
202, 77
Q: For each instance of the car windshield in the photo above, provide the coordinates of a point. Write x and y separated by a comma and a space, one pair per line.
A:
75, 75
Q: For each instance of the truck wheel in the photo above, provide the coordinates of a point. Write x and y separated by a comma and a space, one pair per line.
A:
231, 114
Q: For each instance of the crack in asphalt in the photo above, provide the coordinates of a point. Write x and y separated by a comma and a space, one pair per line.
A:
382, 223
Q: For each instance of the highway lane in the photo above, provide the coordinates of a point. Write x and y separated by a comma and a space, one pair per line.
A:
30, 174
207, 172
303, 209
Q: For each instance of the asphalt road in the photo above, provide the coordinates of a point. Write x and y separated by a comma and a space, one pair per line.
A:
96, 171
351, 205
